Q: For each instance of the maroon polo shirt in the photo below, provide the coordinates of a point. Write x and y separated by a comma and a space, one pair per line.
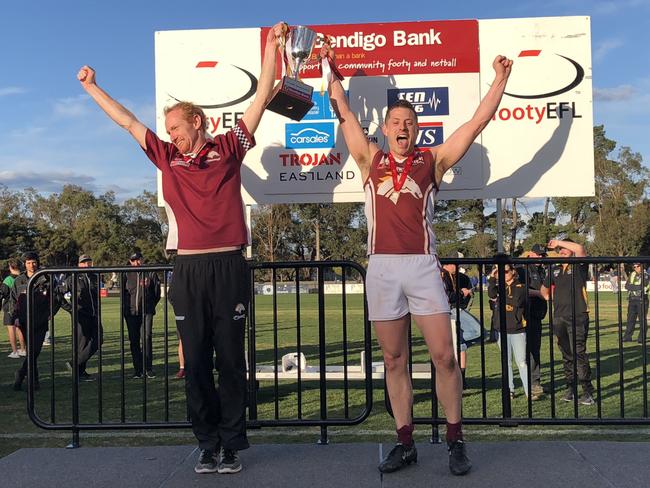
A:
202, 194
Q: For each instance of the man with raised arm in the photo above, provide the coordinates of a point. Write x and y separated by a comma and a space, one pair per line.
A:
210, 286
403, 278
567, 283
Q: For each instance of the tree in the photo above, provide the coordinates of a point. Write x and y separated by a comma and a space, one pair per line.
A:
16, 228
461, 225
146, 227
330, 231
270, 227
540, 228
621, 183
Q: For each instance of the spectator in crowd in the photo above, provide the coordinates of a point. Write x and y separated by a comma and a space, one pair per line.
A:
140, 292
637, 285
474, 281
562, 278
88, 327
41, 308
459, 296
13, 332
536, 309
515, 301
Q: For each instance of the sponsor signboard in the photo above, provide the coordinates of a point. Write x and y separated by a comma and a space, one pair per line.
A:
539, 143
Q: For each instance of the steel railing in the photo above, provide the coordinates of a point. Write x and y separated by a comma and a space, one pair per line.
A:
310, 356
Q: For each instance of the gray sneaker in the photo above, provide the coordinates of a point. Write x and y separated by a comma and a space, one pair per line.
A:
568, 395
586, 399
229, 462
207, 463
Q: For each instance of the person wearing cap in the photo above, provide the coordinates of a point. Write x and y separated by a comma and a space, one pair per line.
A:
568, 283
637, 285
41, 301
140, 292
536, 308
89, 328
210, 289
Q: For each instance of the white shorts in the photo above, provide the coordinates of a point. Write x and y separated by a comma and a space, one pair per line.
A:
397, 284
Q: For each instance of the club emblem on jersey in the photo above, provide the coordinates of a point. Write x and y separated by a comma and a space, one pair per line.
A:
387, 190
213, 157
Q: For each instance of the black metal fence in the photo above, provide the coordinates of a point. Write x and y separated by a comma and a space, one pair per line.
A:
310, 355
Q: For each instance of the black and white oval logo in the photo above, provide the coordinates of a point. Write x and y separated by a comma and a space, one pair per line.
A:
214, 85
541, 75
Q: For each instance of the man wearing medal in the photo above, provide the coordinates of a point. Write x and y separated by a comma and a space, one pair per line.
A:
403, 277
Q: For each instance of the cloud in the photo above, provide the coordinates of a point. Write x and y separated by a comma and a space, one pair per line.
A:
609, 7
27, 133
71, 107
604, 47
614, 94
45, 181
12, 90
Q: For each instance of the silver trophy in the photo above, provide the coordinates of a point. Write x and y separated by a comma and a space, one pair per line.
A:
291, 97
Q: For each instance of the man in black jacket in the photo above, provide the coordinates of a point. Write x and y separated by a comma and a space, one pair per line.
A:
568, 285
140, 294
88, 327
536, 309
515, 299
41, 308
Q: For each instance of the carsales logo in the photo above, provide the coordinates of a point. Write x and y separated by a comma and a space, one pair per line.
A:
563, 73
425, 101
303, 136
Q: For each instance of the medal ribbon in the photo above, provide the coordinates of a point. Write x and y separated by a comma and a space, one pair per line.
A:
397, 184
328, 71
195, 158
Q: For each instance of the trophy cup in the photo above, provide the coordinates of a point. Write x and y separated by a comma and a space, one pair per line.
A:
291, 97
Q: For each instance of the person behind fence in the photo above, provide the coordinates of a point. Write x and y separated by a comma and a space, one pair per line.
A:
140, 292
403, 277
536, 309
41, 308
210, 287
458, 295
515, 302
88, 327
562, 279
13, 333
637, 285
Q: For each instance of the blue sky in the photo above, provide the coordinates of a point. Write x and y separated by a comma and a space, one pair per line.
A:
53, 133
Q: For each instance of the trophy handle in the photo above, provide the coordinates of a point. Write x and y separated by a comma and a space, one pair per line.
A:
299, 62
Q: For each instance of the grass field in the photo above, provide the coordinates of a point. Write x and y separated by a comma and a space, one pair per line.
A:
620, 370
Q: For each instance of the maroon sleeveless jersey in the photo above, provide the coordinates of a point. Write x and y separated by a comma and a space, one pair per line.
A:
401, 222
